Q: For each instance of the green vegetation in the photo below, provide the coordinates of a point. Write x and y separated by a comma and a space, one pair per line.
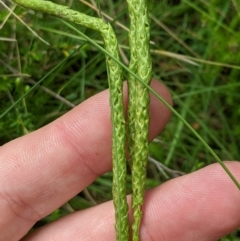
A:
195, 51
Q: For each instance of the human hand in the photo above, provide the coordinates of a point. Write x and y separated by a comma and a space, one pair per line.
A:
42, 170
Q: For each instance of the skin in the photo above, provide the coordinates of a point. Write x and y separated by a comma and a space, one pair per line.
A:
41, 171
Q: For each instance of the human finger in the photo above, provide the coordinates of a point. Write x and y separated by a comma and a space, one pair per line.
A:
203, 205
41, 171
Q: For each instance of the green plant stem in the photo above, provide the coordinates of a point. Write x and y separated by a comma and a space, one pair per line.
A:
116, 100
132, 80
138, 117
160, 98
